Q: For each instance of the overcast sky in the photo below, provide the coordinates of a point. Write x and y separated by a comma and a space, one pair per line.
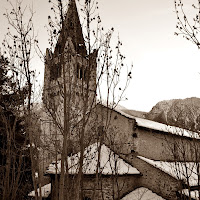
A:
165, 66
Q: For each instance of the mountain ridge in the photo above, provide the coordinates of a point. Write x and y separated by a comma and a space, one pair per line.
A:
183, 113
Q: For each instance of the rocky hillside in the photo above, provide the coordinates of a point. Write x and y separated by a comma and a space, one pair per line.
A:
135, 113
184, 113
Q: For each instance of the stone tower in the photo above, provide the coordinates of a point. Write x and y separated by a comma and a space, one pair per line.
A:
70, 52
70, 75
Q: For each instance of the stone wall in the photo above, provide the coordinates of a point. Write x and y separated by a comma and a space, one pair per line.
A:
123, 136
154, 179
108, 187
80, 82
111, 128
162, 146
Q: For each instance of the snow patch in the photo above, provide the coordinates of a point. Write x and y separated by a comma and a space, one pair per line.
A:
194, 194
142, 193
109, 162
46, 190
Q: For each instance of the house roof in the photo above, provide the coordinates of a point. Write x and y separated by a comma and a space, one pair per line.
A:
179, 170
142, 193
165, 128
46, 190
72, 28
109, 162
145, 123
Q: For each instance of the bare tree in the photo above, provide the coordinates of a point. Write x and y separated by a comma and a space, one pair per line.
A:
188, 26
18, 49
185, 152
14, 155
187, 23
79, 68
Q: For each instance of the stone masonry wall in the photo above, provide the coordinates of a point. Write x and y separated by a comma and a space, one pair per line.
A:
166, 147
108, 188
123, 136
111, 128
154, 179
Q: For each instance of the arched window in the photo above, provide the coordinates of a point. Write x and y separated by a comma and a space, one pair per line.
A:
77, 70
71, 24
80, 73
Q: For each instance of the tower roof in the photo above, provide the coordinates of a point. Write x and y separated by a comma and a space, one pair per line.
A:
72, 28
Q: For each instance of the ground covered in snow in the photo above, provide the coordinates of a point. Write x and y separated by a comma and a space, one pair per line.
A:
142, 194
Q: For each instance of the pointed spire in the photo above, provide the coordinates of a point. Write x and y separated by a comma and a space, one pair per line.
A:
72, 28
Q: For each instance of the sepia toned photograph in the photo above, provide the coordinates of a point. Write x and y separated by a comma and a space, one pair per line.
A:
99, 100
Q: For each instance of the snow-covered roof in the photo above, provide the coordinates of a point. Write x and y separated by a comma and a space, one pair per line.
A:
157, 126
165, 128
110, 163
179, 170
45, 191
194, 194
142, 193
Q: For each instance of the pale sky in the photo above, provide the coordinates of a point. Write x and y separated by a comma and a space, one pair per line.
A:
165, 66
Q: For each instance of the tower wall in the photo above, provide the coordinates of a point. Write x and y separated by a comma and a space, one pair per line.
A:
68, 66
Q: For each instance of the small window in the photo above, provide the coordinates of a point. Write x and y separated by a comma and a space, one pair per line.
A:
86, 198
77, 71
85, 75
55, 71
100, 130
134, 135
80, 72
58, 66
59, 49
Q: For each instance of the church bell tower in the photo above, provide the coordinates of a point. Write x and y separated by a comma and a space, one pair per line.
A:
72, 68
